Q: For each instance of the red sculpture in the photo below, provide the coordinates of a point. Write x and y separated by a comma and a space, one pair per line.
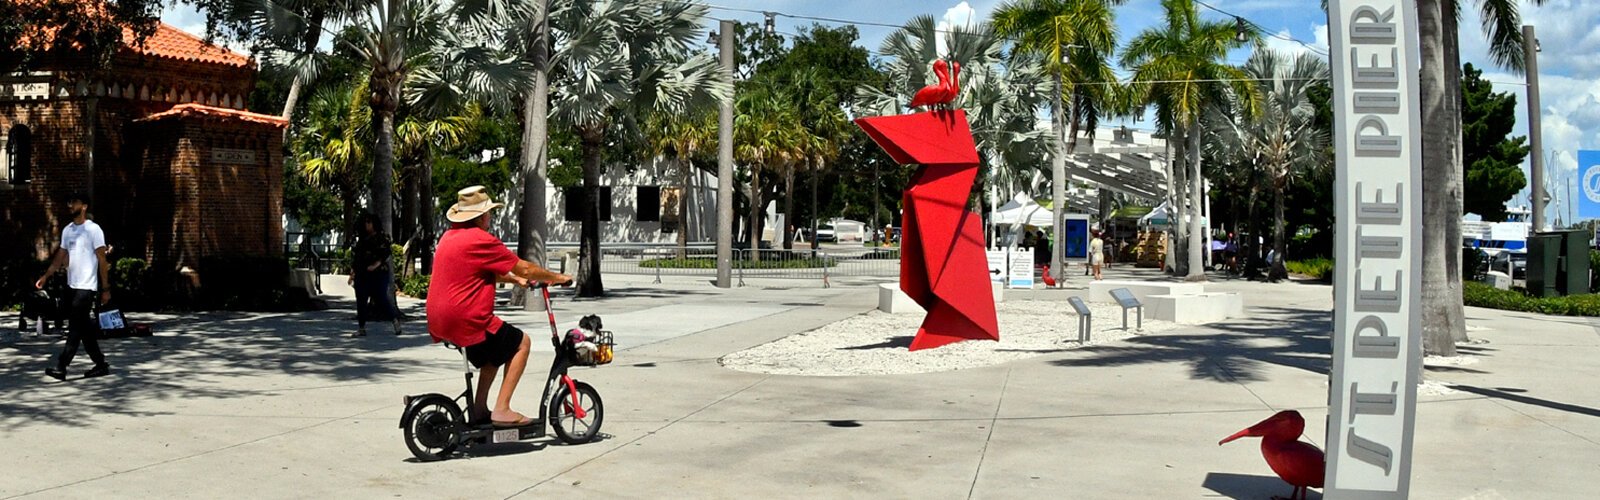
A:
1302, 465
943, 92
942, 264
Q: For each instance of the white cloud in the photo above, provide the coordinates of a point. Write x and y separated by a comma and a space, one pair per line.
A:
962, 15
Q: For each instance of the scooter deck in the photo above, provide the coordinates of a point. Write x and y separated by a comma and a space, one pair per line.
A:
488, 433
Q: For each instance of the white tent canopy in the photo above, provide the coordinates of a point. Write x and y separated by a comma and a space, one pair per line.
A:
1021, 210
1159, 216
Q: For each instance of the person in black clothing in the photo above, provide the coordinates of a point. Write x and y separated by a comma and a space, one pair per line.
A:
370, 273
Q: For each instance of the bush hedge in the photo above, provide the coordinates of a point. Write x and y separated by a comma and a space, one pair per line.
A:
415, 286
1482, 295
1319, 268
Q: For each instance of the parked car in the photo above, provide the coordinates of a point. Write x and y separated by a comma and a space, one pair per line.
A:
826, 234
1507, 269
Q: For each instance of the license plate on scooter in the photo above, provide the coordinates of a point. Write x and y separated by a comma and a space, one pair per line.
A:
507, 435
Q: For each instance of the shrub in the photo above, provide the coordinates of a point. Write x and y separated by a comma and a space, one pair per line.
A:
415, 286
16, 280
249, 283
1594, 267
1482, 295
128, 284
1318, 268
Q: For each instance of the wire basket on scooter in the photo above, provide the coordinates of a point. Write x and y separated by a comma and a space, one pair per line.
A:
594, 351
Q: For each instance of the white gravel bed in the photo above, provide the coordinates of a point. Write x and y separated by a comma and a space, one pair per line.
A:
876, 343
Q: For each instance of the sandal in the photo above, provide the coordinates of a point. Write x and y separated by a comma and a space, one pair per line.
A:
512, 423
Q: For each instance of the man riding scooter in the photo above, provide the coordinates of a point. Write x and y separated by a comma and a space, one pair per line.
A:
461, 295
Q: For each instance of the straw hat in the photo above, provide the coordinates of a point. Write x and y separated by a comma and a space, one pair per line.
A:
470, 203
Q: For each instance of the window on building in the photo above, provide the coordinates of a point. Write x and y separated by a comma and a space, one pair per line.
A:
649, 203
573, 203
18, 155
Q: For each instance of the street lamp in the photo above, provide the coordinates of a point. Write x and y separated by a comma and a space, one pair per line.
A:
1240, 30
771, 25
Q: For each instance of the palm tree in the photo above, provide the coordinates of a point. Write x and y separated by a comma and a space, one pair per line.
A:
392, 35
1443, 319
1282, 140
419, 138
1179, 68
680, 137
767, 136
616, 62
1077, 39
330, 147
518, 32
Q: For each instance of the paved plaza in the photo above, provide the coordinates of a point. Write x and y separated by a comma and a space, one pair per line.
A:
269, 405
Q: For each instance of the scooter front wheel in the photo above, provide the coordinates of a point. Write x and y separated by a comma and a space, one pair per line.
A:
431, 428
569, 427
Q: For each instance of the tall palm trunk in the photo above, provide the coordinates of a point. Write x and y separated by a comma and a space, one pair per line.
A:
1250, 232
1452, 81
1197, 232
382, 185
1279, 241
589, 284
683, 206
532, 217
1058, 179
408, 204
426, 216
1180, 203
755, 212
1439, 185
788, 208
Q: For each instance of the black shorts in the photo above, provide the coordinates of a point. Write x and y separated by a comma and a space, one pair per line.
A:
497, 348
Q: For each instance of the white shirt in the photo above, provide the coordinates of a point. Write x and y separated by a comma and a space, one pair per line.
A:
83, 266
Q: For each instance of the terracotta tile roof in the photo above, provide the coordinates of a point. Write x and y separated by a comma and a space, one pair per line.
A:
202, 111
173, 43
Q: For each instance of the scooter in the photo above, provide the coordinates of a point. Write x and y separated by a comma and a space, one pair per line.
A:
435, 428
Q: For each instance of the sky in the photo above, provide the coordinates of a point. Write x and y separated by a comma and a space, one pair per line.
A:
1569, 72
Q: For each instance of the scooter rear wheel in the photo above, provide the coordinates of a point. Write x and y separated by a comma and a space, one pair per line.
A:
431, 428
569, 428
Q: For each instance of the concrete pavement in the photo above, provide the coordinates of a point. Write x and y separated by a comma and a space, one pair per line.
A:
286, 406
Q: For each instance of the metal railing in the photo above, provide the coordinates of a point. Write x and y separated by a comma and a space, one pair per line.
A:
821, 265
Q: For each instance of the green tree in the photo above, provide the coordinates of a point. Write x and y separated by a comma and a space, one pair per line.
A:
616, 62
1443, 319
1077, 39
330, 149
31, 30
1280, 138
1493, 160
1179, 68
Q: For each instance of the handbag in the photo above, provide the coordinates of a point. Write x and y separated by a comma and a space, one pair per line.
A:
111, 319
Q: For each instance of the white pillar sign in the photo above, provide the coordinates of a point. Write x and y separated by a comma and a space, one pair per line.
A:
1377, 339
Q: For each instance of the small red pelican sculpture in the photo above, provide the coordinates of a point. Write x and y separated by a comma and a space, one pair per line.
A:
1300, 464
1049, 281
939, 93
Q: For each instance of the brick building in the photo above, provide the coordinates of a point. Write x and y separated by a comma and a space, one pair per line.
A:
176, 168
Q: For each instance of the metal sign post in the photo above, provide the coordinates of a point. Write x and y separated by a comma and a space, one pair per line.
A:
1377, 341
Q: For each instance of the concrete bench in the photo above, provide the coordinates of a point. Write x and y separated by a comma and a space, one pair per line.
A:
1100, 291
893, 301
1194, 309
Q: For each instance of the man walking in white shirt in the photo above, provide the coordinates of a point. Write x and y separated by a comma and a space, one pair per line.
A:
83, 252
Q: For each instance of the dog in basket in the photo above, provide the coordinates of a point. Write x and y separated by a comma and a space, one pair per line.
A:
584, 340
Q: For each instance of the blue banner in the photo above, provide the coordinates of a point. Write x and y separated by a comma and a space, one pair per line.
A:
1588, 179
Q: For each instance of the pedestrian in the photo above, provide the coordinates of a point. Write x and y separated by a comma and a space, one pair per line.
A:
83, 252
370, 274
1097, 256
313, 261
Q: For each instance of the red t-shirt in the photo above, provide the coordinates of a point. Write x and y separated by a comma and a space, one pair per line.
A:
461, 292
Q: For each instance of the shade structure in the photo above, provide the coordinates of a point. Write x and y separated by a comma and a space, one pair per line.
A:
942, 262
1022, 210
